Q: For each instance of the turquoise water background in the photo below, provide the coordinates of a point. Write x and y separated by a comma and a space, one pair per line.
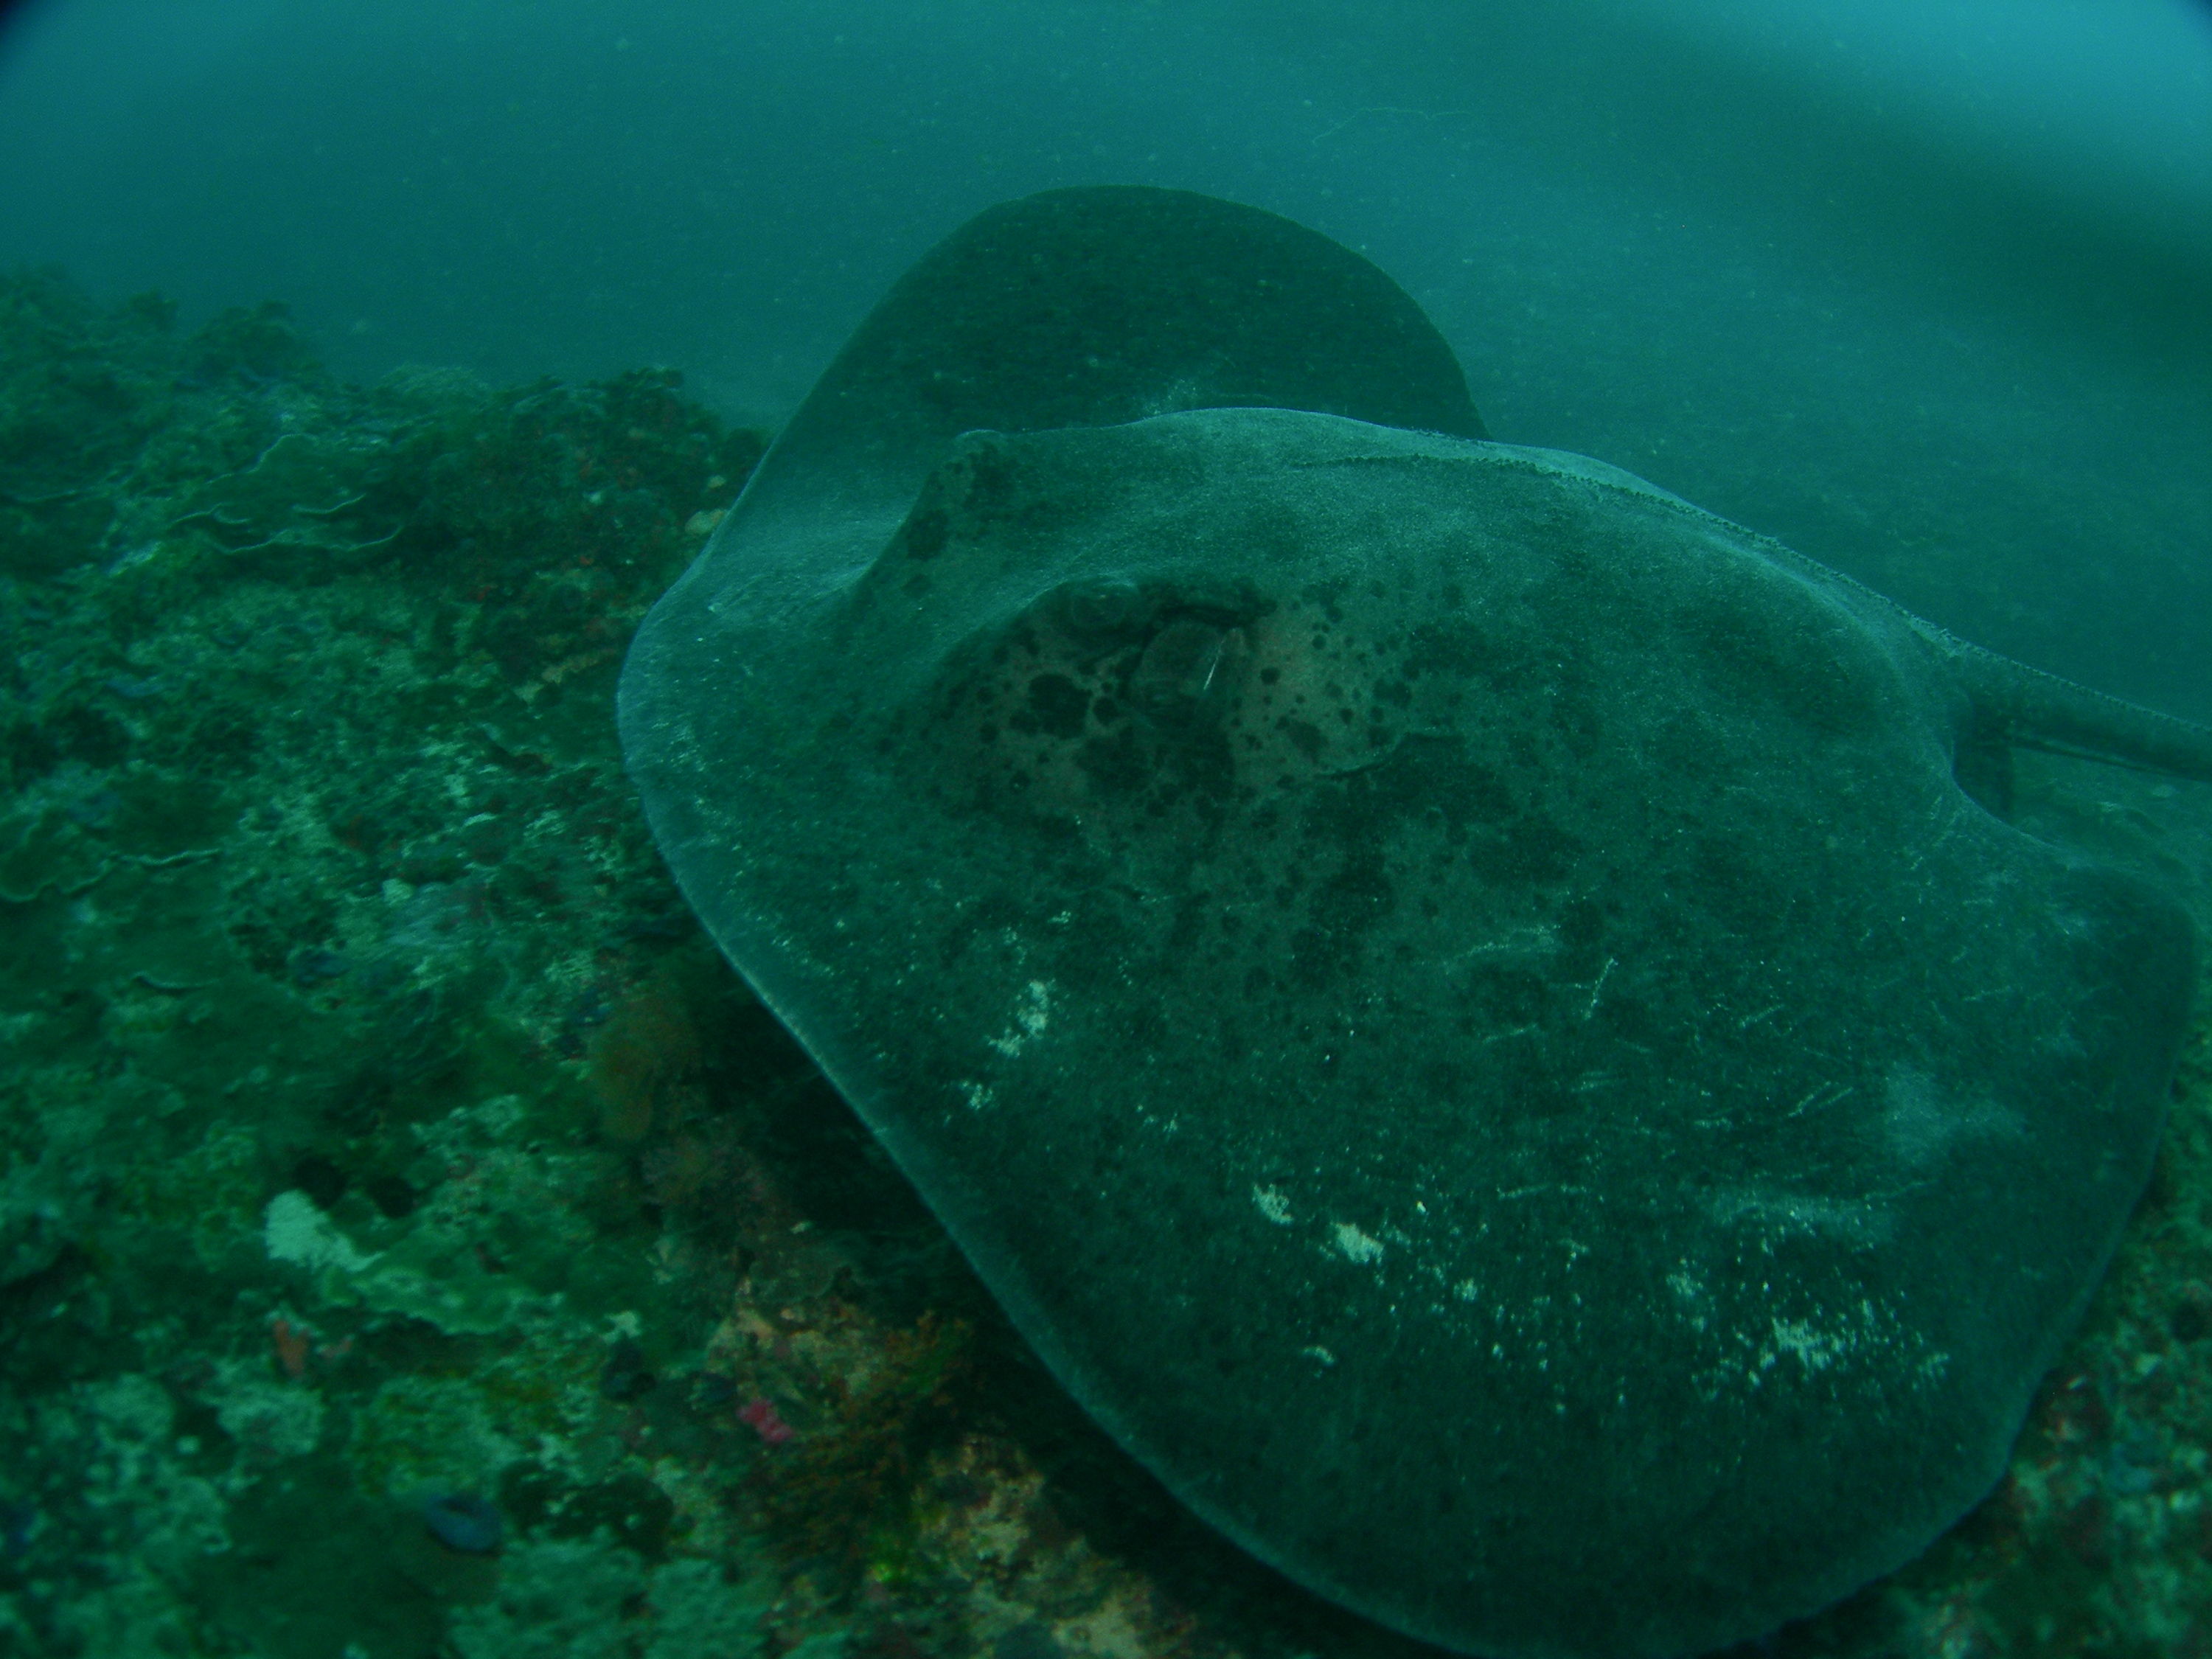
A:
414, 1241
1917, 288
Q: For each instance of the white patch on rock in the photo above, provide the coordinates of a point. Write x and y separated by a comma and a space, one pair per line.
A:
293, 1230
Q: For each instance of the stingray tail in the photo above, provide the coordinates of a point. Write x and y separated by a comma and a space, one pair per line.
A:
2025, 707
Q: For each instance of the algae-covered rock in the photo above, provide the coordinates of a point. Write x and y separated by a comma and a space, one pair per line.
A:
575, 1600
82, 387
323, 900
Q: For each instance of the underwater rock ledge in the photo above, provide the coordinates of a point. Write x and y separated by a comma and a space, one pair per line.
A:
376, 1131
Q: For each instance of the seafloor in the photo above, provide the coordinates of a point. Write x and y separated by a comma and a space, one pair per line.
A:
413, 1241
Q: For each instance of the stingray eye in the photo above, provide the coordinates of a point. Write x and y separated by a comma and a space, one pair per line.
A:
1186, 671
1103, 610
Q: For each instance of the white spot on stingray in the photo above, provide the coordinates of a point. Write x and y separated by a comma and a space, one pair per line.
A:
979, 1095
1323, 1354
1922, 1122
1031, 1015
1357, 1246
1272, 1204
1805, 1343
1697, 1301
1856, 1221
1839, 1338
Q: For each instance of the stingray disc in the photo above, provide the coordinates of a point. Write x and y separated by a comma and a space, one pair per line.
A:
1454, 998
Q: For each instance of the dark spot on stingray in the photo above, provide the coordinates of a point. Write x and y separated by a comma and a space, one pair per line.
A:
923, 535
1438, 648
1056, 706
1531, 849
1193, 912
1508, 998
1116, 765
981, 478
1610, 944
1580, 926
1575, 715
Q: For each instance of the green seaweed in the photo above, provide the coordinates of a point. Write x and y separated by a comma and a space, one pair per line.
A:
845, 1496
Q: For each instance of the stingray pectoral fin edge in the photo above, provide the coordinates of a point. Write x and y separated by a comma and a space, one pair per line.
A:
1092, 306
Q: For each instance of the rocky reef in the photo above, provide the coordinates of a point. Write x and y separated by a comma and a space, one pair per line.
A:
414, 1240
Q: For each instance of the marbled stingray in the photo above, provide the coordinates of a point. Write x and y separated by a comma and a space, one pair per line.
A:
1487, 1023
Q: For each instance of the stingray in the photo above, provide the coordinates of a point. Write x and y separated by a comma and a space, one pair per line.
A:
1488, 1025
